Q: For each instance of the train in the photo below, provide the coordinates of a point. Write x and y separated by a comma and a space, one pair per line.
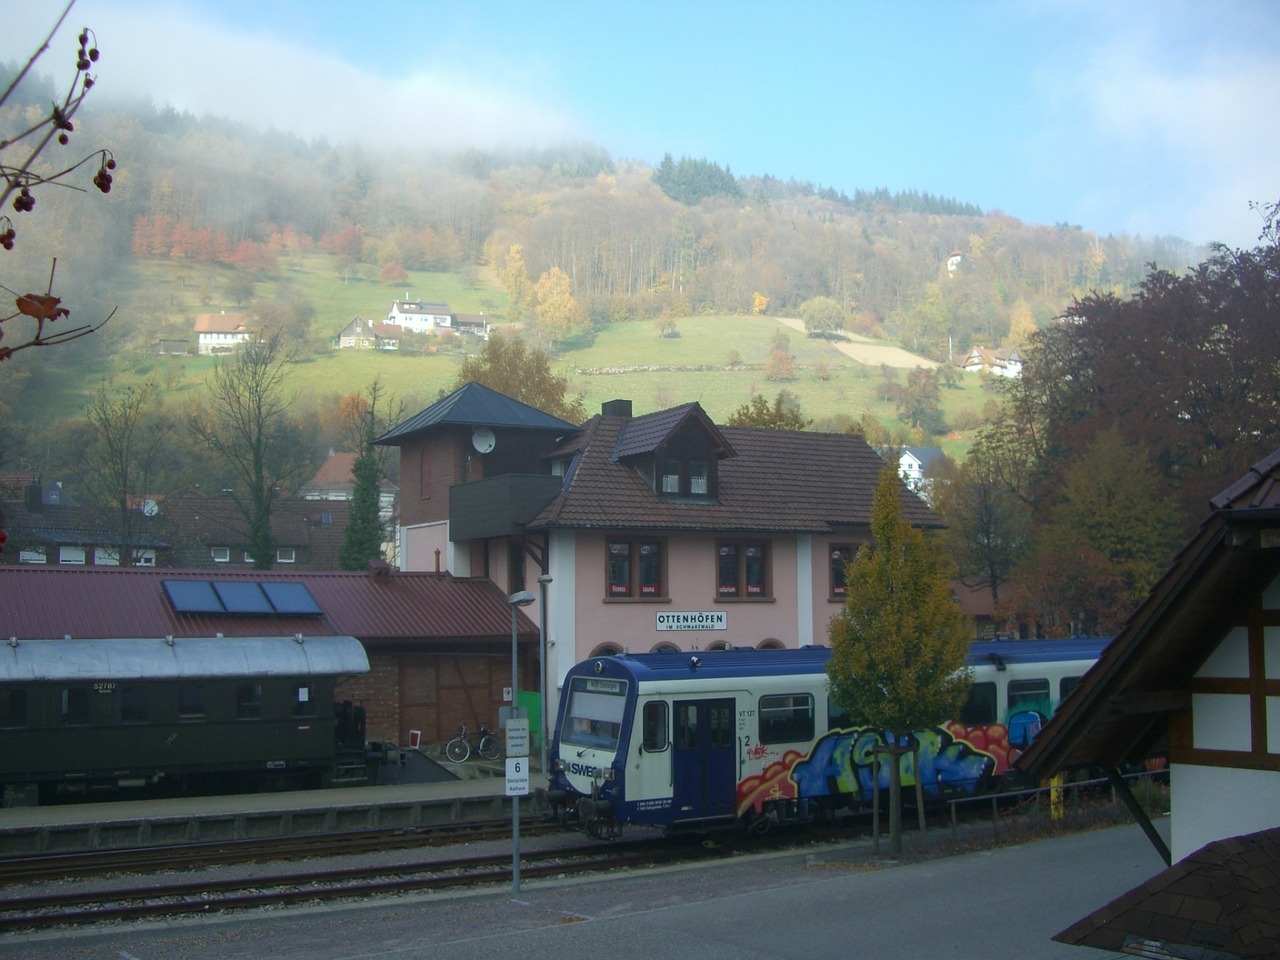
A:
88, 719
677, 739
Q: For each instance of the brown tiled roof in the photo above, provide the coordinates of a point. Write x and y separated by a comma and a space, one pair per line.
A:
219, 322
646, 434
779, 480
1222, 901
335, 472
195, 522
1120, 710
110, 602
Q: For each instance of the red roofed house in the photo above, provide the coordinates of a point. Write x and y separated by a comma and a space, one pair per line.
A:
439, 647
220, 332
640, 533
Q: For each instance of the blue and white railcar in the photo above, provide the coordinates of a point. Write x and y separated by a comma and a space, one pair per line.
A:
673, 739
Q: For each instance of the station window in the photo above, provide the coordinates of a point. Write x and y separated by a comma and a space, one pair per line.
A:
657, 736
191, 701
839, 556
742, 570
786, 718
75, 706
304, 701
980, 708
13, 708
133, 703
634, 569
248, 701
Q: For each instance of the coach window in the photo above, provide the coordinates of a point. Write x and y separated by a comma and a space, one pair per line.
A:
742, 570
13, 708
191, 701
980, 709
1029, 695
248, 701
786, 718
722, 732
656, 733
1065, 686
133, 703
634, 570
839, 557
686, 726
75, 706
304, 703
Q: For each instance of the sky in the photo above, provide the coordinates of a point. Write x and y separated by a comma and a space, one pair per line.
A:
1120, 116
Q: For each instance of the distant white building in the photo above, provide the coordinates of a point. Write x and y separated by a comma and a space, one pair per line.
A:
419, 316
220, 332
998, 363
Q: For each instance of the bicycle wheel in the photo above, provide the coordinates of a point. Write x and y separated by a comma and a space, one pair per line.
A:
490, 749
457, 750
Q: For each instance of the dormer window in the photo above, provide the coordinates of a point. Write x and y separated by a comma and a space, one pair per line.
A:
684, 478
671, 476
698, 478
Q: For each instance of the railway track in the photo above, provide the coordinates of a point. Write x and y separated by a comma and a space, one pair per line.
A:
167, 896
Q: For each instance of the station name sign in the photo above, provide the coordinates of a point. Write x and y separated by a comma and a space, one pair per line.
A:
693, 620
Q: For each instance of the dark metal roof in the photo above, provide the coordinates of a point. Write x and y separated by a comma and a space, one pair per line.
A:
1223, 901
98, 602
177, 657
474, 405
1120, 712
779, 480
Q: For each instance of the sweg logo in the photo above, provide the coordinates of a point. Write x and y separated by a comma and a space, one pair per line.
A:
585, 770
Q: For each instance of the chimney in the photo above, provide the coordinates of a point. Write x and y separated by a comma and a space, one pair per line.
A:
33, 495
379, 568
616, 408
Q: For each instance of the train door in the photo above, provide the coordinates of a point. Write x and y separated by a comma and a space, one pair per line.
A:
704, 759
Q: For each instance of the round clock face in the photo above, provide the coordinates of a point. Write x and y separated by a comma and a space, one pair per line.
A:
482, 439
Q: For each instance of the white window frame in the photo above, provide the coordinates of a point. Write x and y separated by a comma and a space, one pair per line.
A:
286, 555
220, 554
33, 555
66, 556
106, 557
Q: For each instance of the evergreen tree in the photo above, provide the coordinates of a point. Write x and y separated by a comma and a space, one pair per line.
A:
899, 642
364, 526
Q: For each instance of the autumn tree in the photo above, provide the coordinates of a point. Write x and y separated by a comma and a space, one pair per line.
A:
558, 313
822, 316
919, 405
511, 366
20, 178
899, 641
515, 281
783, 414
124, 457
246, 425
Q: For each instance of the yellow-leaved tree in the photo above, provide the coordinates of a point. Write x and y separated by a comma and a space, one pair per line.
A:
899, 642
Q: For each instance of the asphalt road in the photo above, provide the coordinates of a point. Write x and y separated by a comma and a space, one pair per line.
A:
837, 903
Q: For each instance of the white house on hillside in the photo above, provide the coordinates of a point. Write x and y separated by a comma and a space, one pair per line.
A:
220, 332
418, 316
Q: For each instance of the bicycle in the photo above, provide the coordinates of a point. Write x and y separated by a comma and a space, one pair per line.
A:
460, 748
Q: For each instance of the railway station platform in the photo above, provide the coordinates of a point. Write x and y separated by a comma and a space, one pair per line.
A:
417, 795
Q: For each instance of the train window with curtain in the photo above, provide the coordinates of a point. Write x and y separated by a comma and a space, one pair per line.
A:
133, 703
1029, 695
304, 701
786, 718
980, 708
75, 706
13, 708
248, 701
191, 701
657, 736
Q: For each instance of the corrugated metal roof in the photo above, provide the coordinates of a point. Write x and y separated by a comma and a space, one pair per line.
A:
477, 405
98, 602
179, 657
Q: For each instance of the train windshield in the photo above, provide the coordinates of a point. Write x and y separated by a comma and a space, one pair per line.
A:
593, 714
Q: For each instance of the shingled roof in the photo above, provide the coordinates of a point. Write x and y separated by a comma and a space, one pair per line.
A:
777, 480
1222, 901
474, 405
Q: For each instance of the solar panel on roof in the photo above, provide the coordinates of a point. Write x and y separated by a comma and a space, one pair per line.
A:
240, 596
192, 596
290, 597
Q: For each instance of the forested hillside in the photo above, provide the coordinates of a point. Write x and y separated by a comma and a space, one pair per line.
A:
208, 216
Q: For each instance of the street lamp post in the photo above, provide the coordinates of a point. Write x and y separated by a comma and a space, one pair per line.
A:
521, 598
542, 668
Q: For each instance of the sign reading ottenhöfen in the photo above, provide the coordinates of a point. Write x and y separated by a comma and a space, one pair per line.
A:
693, 620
